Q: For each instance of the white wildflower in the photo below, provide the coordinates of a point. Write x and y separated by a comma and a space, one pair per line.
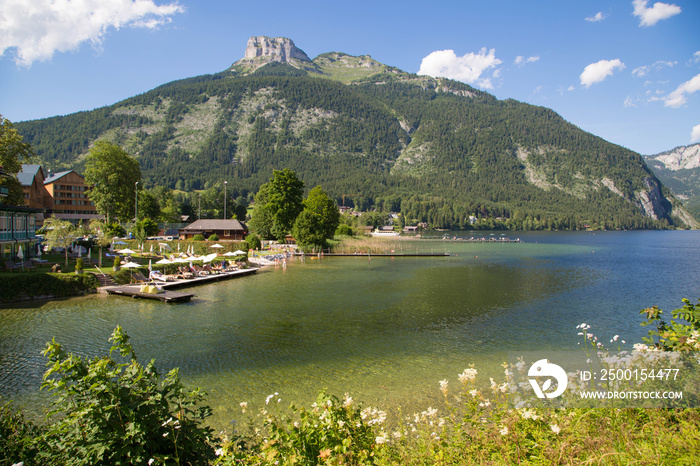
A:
467, 375
244, 406
529, 414
269, 397
380, 439
555, 428
504, 431
219, 452
443, 387
347, 402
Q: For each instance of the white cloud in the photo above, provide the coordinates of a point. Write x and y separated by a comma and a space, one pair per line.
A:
696, 57
522, 61
695, 134
36, 29
597, 72
630, 102
469, 68
657, 66
651, 16
678, 97
597, 17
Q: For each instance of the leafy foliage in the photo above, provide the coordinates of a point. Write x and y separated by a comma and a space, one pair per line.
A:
112, 176
674, 336
111, 412
13, 152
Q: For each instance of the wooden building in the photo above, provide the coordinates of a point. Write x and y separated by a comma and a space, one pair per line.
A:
231, 230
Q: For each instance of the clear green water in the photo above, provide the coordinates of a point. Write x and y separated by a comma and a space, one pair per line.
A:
385, 330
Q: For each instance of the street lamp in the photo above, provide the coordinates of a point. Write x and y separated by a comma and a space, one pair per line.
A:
225, 183
136, 202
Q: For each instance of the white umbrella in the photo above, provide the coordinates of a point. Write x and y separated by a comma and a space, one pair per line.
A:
126, 251
209, 258
164, 261
80, 251
151, 248
230, 254
178, 247
119, 242
165, 246
217, 245
149, 265
20, 254
239, 252
89, 254
131, 265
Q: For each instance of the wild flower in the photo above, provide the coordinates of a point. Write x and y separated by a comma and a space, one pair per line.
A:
443, 387
555, 428
218, 452
529, 414
380, 439
347, 401
504, 430
244, 406
474, 392
468, 375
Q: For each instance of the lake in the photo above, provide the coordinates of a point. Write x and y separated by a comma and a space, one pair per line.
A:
384, 330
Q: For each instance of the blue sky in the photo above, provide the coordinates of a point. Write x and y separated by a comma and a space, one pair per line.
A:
627, 70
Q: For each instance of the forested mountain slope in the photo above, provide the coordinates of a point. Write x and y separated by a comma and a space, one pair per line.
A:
435, 150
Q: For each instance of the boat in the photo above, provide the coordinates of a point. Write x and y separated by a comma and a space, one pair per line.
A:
385, 233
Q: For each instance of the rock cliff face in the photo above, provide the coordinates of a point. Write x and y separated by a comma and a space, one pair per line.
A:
651, 199
278, 49
680, 158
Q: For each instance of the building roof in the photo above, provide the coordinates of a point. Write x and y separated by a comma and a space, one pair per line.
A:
214, 224
27, 174
58, 175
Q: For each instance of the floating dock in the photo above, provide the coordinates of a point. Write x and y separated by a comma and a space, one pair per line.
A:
167, 295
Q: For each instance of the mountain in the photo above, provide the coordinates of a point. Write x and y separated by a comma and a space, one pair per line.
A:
679, 169
434, 149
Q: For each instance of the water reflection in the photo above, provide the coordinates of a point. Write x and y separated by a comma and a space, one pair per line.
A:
385, 330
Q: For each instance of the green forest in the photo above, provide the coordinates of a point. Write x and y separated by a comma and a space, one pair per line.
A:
434, 150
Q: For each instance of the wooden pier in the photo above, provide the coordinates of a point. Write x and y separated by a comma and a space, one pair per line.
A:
134, 291
167, 295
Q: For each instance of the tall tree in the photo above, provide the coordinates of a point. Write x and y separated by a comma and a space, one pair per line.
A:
59, 233
277, 204
12, 152
112, 175
285, 200
318, 202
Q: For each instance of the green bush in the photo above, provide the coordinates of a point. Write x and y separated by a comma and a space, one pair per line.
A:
253, 242
344, 230
79, 264
17, 436
18, 286
198, 238
213, 237
116, 411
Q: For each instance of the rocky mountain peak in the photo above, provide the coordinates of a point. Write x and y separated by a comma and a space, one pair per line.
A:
682, 157
280, 49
